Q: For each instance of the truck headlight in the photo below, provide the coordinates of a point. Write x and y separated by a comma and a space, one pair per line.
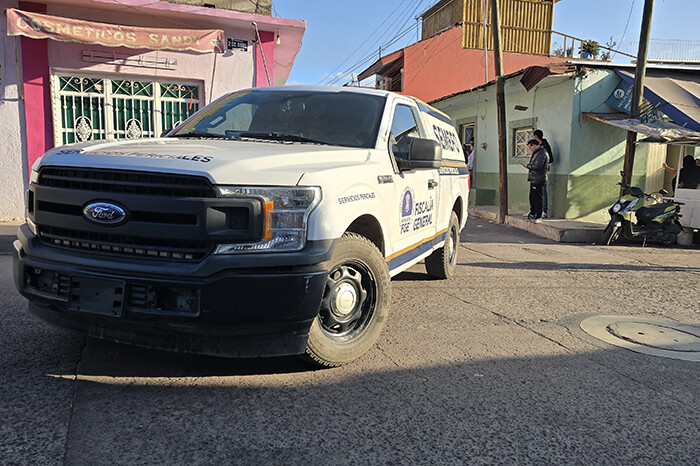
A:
285, 215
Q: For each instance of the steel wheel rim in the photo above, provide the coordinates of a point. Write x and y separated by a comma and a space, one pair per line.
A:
452, 246
349, 300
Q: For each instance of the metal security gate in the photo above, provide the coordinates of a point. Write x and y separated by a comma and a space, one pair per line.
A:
89, 108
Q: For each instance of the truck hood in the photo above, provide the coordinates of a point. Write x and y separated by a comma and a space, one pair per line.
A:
271, 163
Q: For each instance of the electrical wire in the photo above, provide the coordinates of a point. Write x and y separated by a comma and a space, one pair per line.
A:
364, 42
366, 59
625, 31
371, 56
400, 21
390, 41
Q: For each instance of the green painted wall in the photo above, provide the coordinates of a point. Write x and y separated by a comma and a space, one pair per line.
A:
588, 154
597, 151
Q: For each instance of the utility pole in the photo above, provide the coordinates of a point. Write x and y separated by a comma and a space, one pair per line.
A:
637, 90
501, 104
486, 46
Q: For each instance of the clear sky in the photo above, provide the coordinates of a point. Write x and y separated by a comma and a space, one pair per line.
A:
343, 37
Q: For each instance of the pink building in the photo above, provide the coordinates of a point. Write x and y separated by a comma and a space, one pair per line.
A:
80, 70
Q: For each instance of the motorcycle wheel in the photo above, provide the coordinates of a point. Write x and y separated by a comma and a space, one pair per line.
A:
668, 240
611, 233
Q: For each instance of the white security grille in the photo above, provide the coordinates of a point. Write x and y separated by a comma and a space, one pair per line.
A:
522, 136
88, 108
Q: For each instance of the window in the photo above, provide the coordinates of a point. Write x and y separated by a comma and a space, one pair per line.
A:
467, 132
90, 108
403, 128
522, 135
327, 117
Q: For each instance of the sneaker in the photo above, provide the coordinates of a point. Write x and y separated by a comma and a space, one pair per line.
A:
526, 215
545, 215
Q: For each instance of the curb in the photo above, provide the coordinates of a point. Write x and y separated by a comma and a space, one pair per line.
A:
561, 231
8, 235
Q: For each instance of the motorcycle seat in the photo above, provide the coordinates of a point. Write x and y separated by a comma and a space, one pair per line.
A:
649, 213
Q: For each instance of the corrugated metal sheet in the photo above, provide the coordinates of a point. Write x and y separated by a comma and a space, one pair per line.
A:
526, 25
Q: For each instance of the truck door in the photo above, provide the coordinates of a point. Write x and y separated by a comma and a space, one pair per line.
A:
417, 192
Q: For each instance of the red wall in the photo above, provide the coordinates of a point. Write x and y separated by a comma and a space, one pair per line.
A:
439, 66
268, 48
37, 98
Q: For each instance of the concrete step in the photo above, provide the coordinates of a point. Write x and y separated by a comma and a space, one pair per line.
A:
562, 231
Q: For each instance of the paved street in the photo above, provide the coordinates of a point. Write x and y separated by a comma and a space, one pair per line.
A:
490, 367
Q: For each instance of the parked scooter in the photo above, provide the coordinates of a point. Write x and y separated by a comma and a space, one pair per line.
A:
657, 222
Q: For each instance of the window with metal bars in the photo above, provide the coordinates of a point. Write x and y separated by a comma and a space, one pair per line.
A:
89, 108
522, 135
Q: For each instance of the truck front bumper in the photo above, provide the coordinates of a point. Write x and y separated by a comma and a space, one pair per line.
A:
238, 312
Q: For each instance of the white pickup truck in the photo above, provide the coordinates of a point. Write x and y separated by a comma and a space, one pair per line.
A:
269, 223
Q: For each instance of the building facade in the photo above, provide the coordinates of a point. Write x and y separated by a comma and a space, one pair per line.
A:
576, 108
107, 69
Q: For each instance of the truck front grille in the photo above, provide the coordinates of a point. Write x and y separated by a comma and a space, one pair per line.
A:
128, 182
158, 248
168, 217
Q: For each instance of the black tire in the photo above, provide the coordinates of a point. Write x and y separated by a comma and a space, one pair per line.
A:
668, 240
442, 262
611, 233
355, 304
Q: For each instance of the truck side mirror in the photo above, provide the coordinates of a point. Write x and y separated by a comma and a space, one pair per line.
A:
424, 153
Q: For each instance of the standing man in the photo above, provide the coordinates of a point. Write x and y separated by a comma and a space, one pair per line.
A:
470, 162
536, 175
539, 135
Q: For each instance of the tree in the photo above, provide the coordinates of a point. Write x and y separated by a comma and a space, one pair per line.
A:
590, 47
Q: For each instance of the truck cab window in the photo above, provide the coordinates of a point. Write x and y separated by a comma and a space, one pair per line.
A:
403, 128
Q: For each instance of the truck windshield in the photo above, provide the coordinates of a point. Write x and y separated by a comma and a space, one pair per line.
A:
336, 118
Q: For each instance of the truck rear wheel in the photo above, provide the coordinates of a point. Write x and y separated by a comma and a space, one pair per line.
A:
443, 262
355, 304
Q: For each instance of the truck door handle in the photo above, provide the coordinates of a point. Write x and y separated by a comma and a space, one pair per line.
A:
432, 184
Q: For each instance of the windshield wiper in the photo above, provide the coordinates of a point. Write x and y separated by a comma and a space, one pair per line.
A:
202, 134
280, 136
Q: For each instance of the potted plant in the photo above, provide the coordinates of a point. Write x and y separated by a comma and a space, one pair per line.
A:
590, 49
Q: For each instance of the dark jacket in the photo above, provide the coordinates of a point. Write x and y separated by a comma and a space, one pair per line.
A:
537, 168
689, 176
548, 148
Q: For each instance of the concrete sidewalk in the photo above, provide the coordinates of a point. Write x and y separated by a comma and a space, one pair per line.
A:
563, 231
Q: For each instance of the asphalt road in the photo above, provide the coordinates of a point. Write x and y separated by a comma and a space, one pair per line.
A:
487, 368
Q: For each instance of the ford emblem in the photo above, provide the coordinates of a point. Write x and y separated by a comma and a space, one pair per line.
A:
104, 213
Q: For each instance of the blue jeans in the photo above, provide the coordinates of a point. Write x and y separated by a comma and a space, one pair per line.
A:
544, 198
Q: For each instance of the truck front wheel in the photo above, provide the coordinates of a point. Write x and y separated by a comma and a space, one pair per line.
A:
355, 303
443, 262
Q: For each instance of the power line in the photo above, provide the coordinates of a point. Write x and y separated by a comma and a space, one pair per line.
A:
391, 41
626, 25
365, 41
371, 55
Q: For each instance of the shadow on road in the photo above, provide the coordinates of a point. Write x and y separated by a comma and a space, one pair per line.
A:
555, 410
542, 265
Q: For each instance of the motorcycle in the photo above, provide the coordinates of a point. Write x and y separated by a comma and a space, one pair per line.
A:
657, 222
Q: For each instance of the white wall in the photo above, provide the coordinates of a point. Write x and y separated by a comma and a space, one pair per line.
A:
12, 155
234, 70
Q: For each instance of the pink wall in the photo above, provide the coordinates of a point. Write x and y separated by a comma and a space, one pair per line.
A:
439, 66
37, 97
268, 47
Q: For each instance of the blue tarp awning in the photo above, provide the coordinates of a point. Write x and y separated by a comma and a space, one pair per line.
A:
676, 94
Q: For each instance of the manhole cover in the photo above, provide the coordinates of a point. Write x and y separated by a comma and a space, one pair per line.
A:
647, 336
